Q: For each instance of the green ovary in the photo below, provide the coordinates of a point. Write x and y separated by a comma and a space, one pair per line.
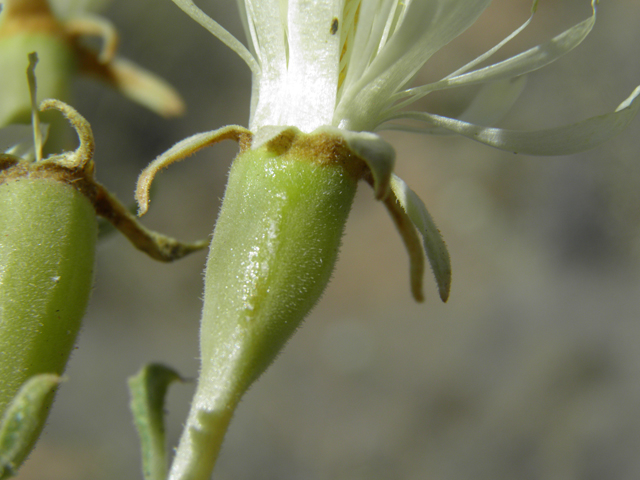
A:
47, 245
273, 251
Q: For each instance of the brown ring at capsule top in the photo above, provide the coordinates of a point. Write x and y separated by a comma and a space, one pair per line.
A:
80, 179
7, 161
322, 148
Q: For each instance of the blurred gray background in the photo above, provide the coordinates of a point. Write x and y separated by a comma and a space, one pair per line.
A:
530, 371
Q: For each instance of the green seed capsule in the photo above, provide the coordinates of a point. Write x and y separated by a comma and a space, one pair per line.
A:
273, 251
64, 46
274, 248
48, 231
47, 250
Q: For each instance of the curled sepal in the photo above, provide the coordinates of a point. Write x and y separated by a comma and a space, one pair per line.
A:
23, 420
156, 245
83, 155
434, 245
98, 27
148, 389
180, 151
411, 242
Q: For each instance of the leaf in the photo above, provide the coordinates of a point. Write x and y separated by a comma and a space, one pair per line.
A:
23, 420
148, 389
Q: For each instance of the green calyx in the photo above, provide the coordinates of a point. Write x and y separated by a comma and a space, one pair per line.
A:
274, 248
46, 269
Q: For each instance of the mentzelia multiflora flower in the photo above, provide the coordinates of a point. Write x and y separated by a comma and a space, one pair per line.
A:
326, 75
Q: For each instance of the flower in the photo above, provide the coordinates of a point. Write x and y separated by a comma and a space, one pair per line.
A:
58, 31
327, 74
347, 63
344, 66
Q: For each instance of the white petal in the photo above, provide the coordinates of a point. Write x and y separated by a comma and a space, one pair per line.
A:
551, 141
434, 245
493, 101
265, 134
525, 62
266, 29
371, 31
425, 28
489, 53
265, 26
313, 63
530, 60
218, 31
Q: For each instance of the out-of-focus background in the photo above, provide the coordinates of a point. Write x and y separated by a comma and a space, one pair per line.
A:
530, 371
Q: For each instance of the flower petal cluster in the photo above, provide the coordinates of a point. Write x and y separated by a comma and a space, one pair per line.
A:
348, 65
58, 30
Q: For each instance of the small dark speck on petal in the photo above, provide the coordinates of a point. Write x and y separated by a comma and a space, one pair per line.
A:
334, 26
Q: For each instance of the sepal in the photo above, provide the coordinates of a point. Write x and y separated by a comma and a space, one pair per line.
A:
434, 245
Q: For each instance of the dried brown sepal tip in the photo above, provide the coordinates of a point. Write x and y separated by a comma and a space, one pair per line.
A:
182, 150
82, 157
76, 168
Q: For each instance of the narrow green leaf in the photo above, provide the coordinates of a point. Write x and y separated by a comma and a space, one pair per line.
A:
23, 420
148, 389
